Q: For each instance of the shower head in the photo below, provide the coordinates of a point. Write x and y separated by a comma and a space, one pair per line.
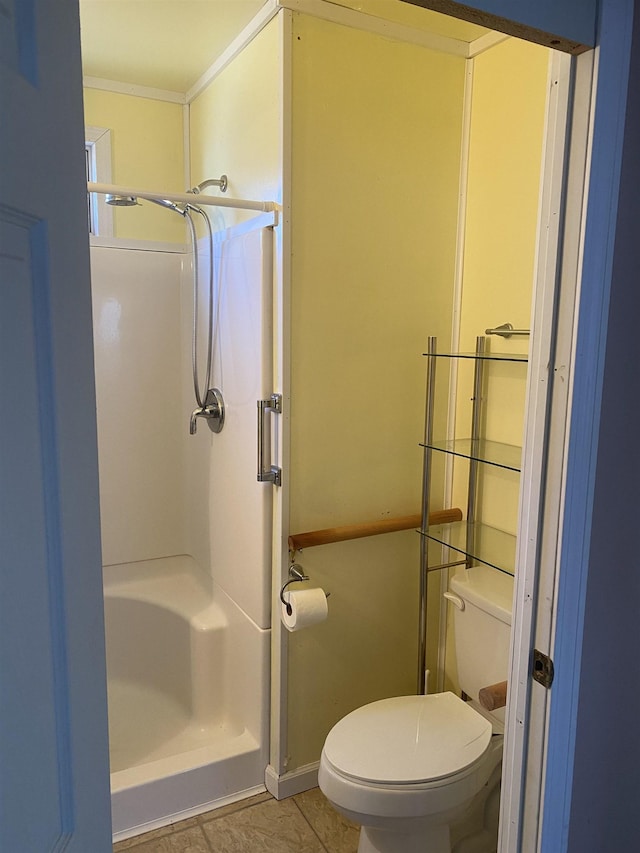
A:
121, 200
132, 201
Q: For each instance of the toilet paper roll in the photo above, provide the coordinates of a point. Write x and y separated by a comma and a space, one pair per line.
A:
308, 606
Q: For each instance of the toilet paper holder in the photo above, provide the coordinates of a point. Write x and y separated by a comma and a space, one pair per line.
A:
296, 575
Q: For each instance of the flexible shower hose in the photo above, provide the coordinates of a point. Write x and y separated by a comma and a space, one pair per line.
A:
200, 397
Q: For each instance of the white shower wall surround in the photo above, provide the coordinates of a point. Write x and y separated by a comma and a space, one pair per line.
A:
139, 377
186, 528
242, 369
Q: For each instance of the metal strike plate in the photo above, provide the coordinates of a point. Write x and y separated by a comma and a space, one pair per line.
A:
273, 475
274, 403
542, 669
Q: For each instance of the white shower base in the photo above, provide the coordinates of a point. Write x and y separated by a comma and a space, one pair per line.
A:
187, 695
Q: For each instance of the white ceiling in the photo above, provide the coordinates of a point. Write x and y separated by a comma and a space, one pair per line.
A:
169, 44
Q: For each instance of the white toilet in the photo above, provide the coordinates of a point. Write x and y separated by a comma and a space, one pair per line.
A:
409, 768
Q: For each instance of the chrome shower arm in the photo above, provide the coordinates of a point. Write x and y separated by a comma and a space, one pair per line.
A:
221, 182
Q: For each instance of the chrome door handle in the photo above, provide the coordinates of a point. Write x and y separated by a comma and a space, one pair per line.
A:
272, 474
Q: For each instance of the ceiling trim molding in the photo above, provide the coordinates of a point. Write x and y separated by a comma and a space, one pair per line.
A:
255, 26
328, 11
133, 89
347, 17
486, 42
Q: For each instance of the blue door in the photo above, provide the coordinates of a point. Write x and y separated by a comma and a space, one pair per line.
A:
54, 774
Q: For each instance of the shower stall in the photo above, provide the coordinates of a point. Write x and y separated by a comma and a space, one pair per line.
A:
186, 526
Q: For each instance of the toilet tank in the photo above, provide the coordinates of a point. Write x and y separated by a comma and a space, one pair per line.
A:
482, 627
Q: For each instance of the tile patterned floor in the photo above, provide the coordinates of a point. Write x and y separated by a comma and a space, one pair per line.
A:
305, 823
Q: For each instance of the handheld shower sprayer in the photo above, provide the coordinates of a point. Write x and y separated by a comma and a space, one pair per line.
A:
132, 201
171, 205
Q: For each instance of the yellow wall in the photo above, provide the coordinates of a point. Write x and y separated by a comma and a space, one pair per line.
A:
235, 126
376, 147
147, 152
507, 124
507, 121
508, 107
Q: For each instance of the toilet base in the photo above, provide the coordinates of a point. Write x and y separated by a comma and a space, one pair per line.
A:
436, 839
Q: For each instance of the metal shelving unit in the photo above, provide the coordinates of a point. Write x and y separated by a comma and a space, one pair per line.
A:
470, 541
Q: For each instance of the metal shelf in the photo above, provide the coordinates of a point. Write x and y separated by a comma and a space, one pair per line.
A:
467, 541
476, 541
481, 450
483, 356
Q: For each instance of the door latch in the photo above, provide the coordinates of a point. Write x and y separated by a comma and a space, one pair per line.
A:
542, 670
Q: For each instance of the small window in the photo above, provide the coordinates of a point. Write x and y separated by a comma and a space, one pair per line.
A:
98, 164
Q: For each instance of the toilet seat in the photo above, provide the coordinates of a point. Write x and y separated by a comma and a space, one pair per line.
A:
408, 740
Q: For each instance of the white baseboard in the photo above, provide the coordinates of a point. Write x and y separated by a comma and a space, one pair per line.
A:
295, 782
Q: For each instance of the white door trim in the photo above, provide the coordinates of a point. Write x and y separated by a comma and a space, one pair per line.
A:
535, 452
98, 145
560, 413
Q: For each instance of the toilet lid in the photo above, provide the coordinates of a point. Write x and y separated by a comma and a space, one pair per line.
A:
408, 739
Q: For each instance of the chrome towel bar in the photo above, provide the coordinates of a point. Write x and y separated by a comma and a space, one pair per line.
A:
506, 330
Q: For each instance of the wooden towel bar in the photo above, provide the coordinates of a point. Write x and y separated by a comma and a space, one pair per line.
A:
494, 696
297, 541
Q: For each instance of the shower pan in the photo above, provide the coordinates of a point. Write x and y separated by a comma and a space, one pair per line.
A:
186, 526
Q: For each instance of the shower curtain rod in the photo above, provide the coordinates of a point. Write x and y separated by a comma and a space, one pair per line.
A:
183, 198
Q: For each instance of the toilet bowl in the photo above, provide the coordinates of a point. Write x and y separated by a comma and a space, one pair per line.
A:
406, 768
